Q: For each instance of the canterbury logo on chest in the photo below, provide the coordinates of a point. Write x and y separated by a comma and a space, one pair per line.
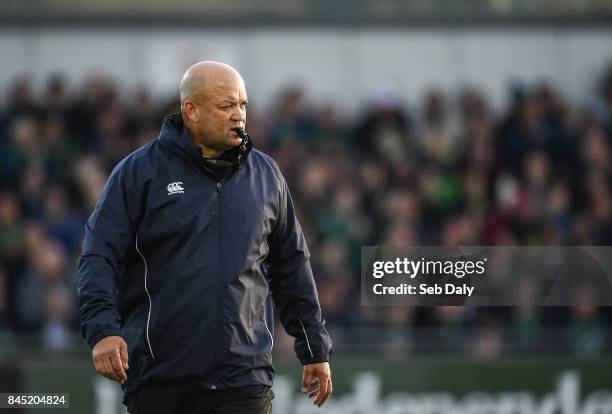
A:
175, 188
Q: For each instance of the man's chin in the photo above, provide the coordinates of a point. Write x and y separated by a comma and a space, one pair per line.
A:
234, 137
227, 145
234, 140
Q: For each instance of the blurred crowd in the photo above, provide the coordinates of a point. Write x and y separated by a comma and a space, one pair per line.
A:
448, 171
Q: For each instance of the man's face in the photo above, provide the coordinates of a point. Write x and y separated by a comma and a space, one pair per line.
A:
221, 109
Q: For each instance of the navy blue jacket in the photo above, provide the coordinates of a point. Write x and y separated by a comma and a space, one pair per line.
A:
185, 267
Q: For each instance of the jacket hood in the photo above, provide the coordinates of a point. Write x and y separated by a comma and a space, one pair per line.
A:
176, 139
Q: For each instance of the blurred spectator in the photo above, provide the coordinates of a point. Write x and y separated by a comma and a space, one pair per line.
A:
292, 120
57, 333
11, 233
587, 333
7, 341
21, 101
450, 330
61, 222
527, 315
47, 267
384, 128
398, 334
487, 341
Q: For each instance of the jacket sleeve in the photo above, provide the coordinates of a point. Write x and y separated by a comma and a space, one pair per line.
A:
293, 287
109, 234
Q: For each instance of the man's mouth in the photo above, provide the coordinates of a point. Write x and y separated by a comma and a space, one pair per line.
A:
238, 131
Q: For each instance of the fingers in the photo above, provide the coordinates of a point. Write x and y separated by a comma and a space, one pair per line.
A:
99, 365
306, 380
105, 368
117, 366
321, 389
314, 387
329, 392
111, 370
323, 392
123, 352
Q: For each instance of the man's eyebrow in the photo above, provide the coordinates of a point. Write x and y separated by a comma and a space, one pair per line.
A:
231, 101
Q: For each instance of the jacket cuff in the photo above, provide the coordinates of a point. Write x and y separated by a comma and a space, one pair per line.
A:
315, 360
103, 333
314, 346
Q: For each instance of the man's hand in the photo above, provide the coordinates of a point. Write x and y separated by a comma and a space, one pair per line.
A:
110, 356
317, 381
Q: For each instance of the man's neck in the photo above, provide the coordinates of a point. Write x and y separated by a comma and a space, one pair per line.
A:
206, 151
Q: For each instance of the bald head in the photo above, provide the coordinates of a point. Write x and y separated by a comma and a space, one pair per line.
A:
202, 76
213, 106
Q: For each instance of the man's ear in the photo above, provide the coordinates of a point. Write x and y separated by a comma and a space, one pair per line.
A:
191, 111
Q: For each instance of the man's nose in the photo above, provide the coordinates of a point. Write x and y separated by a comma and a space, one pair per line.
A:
238, 114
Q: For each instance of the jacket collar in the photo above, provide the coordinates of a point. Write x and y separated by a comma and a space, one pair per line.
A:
175, 137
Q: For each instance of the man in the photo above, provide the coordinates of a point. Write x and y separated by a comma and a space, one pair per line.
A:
192, 237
